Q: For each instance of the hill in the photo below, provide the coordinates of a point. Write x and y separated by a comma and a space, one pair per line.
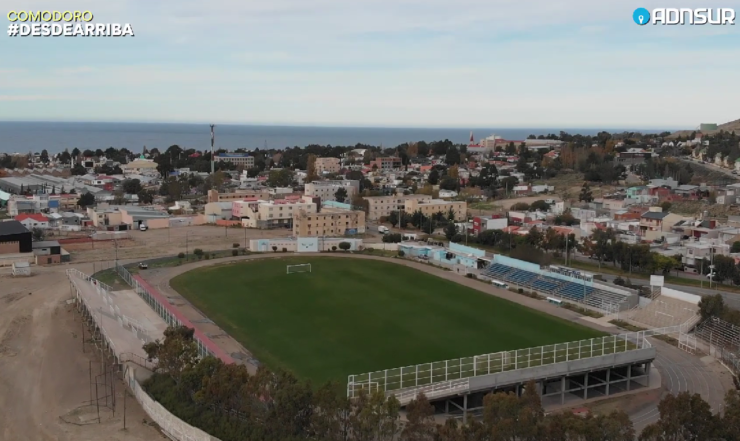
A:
732, 126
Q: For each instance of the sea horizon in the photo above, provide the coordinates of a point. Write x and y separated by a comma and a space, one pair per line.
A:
34, 136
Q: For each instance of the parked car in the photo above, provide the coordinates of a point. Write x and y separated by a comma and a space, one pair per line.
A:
143, 265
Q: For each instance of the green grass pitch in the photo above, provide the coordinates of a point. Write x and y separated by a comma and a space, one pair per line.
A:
352, 316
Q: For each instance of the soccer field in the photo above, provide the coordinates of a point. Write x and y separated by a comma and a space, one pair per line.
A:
350, 316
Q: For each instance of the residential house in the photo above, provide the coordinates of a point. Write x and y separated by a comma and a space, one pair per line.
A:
31, 221
654, 223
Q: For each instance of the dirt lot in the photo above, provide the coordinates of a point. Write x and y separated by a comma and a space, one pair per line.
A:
155, 243
44, 377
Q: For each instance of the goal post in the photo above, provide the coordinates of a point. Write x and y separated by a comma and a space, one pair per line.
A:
301, 268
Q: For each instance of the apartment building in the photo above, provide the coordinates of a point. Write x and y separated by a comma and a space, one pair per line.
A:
387, 163
238, 195
269, 214
433, 206
327, 165
243, 159
382, 206
328, 223
326, 190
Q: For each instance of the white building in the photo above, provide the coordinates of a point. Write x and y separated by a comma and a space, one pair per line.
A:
326, 190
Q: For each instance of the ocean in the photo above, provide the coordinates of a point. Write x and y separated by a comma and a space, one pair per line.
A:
56, 136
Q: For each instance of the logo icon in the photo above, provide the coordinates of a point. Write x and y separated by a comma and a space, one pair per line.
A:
641, 16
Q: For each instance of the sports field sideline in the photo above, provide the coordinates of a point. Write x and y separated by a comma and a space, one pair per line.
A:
350, 316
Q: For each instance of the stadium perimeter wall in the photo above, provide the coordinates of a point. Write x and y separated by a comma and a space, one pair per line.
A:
175, 428
680, 295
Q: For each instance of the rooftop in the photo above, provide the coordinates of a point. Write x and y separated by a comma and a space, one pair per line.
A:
45, 244
655, 215
12, 227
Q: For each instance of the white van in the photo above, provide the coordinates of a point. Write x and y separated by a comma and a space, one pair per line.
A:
383, 230
143, 227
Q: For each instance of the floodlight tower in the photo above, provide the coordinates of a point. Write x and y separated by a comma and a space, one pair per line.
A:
213, 137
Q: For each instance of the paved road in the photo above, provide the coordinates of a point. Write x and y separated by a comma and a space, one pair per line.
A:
711, 167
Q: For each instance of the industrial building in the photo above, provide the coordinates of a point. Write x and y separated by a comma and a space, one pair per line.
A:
15, 238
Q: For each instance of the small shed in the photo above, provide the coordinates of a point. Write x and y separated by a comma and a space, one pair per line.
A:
21, 269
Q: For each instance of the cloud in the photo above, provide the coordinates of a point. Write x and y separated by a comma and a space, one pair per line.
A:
433, 62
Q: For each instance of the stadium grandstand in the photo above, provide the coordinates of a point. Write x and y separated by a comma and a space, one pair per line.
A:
565, 284
664, 311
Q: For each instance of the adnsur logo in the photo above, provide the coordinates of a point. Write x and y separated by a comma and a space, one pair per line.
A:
676, 16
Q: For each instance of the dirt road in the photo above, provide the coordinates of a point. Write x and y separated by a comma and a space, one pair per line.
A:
44, 374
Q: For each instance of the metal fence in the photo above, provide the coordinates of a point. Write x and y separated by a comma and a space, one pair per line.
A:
457, 369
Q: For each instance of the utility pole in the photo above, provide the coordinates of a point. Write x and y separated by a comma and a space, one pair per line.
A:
213, 138
186, 245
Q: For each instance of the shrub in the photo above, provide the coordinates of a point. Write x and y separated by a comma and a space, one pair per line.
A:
234, 245
198, 252
401, 253
345, 246
181, 255
274, 248
619, 281
333, 248
520, 291
208, 256
285, 250
234, 252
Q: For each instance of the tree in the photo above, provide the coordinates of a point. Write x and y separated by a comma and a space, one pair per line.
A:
341, 194
86, 200
345, 246
131, 186
665, 206
452, 156
450, 230
585, 195
38, 234
75, 154
420, 416
448, 183
682, 417
311, 169
520, 206
539, 205
44, 156
146, 196
711, 306
78, 170
433, 177
280, 178
393, 218
392, 238
735, 247
176, 354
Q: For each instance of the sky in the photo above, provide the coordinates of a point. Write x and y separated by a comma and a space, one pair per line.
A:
385, 63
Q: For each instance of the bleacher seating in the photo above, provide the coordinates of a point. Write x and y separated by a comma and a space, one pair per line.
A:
551, 286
